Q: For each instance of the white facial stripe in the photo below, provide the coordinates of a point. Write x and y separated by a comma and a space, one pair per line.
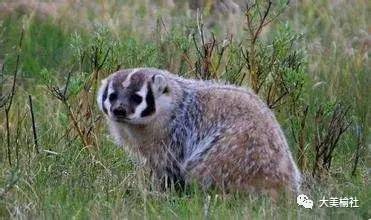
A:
102, 88
126, 83
107, 103
143, 105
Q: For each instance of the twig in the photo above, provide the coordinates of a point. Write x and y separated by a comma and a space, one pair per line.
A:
67, 83
50, 152
262, 22
33, 124
8, 137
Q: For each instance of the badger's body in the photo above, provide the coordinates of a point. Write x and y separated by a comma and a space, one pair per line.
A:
187, 130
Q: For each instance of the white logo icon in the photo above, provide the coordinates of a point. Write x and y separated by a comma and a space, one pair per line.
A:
304, 201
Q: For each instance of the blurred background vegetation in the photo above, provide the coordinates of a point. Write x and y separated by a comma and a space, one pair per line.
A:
309, 61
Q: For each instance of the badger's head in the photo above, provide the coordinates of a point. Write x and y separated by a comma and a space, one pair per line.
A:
135, 96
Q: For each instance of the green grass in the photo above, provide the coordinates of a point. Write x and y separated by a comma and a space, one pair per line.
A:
330, 41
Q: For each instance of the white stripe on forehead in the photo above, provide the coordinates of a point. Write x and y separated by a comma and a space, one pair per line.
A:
126, 83
143, 105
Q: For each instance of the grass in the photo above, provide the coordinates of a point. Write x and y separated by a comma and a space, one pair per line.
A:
315, 55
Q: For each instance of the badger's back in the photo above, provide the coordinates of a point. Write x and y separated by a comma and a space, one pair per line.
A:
231, 139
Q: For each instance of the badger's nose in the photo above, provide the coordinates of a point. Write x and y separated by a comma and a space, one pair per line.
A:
119, 112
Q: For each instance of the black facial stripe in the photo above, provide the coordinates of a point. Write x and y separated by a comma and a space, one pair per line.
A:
136, 99
112, 97
150, 100
104, 97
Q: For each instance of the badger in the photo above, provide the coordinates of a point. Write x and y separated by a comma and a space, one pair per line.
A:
219, 136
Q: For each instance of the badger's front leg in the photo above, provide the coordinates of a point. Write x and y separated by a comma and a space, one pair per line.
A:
166, 174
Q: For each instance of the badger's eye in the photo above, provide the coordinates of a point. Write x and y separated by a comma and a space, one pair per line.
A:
112, 97
136, 99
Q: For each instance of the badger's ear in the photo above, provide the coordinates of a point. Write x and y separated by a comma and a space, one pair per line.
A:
102, 95
159, 84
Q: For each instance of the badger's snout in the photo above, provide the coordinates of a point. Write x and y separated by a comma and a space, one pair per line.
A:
119, 111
